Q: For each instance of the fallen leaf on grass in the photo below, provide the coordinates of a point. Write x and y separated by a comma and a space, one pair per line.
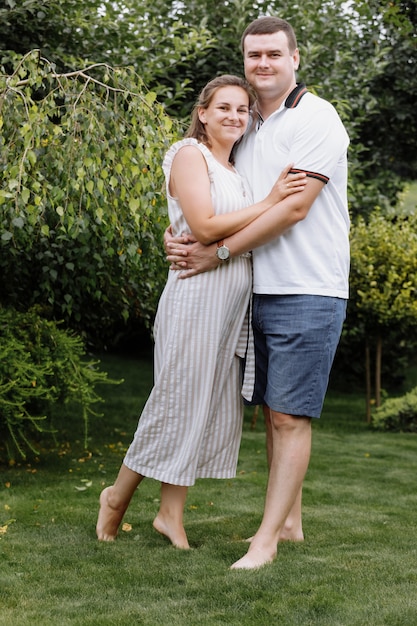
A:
85, 458
87, 483
3, 529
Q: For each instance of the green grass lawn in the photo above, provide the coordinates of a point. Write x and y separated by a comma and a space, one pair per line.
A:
357, 566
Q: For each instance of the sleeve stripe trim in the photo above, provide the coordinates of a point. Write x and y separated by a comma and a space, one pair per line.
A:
321, 177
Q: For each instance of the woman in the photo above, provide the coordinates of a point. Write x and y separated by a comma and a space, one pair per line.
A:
191, 424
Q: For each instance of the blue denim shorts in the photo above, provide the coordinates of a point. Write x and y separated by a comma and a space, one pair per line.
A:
296, 337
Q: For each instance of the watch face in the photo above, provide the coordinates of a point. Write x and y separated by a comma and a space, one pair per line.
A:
223, 253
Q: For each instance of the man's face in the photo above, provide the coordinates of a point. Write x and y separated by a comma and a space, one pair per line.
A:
269, 64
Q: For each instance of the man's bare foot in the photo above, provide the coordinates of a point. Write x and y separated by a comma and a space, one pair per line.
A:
291, 535
254, 559
285, 535
177, 536
109, 517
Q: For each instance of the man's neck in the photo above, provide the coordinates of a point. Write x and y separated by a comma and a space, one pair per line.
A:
266, 106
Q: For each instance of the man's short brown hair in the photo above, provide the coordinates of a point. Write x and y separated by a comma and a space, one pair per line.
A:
267, 26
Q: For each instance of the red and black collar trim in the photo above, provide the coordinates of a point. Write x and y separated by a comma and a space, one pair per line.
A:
295, 96
291, 102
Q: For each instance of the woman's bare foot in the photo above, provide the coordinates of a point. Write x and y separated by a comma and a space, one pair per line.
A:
176, 535
109, 517
255, 558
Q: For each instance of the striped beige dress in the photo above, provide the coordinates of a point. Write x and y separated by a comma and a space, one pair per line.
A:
191, 424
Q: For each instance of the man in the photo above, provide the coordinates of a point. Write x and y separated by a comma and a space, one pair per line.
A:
300, 265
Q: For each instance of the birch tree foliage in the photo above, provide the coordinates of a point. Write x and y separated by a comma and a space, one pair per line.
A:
82, 202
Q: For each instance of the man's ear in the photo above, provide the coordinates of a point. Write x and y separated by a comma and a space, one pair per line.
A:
296, 59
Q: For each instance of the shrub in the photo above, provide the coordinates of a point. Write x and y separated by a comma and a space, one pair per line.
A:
42, 367
397, 414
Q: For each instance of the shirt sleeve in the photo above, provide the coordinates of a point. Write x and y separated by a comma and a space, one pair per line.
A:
319, 143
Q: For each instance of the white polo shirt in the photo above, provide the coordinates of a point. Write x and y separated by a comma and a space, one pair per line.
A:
313, 256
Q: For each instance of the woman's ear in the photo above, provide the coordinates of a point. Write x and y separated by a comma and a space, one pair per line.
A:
201, 114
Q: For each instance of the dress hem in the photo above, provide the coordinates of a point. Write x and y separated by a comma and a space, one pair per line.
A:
163, 477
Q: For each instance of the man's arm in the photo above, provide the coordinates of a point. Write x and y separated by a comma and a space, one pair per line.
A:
275, 221
195, 258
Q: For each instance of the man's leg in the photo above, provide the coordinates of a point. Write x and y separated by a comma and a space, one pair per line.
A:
293, 527
291, 447
169, 521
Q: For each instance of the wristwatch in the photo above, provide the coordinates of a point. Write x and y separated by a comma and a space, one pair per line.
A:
222, 252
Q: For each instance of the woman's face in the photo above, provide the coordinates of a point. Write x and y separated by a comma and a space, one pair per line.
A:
227, 115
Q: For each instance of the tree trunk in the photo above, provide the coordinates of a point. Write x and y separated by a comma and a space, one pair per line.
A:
368, 380
378, 362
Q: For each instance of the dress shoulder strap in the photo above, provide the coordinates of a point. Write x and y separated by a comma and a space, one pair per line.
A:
173, 150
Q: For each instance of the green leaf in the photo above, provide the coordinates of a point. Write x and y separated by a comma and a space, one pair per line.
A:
25, 195
18, 222
134, 204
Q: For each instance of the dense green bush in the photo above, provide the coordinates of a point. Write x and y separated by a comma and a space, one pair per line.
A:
397, 414
380, 331
42, 368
